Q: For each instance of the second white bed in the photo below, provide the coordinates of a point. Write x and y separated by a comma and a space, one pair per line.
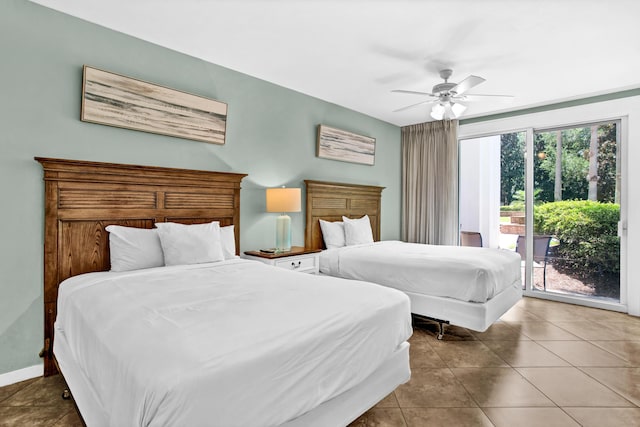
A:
465, 286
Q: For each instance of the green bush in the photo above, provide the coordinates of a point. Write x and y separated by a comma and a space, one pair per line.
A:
588, 234
518, 202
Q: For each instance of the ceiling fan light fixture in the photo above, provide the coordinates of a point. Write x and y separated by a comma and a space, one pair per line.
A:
457, 109
437, 112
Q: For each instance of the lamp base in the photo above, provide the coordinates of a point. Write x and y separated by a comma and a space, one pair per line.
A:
283, 233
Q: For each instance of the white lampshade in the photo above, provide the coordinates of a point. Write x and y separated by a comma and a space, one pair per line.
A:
457, 109
437, 112
283, 200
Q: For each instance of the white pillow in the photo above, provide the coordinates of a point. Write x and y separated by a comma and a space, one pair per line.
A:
190, 244
357, 231
228, 241
134, 248
332, 233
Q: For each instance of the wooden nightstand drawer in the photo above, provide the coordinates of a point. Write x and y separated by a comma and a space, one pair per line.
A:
297, 259
299, 263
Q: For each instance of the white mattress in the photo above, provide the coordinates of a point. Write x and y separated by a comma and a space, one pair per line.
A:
463, 273
234, 343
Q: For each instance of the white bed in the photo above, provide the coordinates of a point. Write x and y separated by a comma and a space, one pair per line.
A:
463, 286
479, 283
233, 342
242, 343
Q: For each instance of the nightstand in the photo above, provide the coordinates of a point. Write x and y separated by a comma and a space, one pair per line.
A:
297, 259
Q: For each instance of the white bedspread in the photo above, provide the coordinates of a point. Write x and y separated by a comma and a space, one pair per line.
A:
464, 273
234, 343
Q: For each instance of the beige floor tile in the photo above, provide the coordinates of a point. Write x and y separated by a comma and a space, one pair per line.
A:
529, 417
626, 350
422, 355
388, 402
582, 353
500, 331
467, 354
41, 392
624, 381
551, 311
500, 387
517, 314
592, 331
543, 331
420, 334
433, 388
571, 387
630, 328
605, 417
600, 315
10, 390
446, 417
72, 419
380, 417
525, 354
31, 416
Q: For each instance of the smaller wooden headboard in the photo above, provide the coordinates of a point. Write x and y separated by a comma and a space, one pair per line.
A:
331, 200
82, 198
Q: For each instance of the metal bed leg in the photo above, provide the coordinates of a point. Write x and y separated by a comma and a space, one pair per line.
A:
440, 330
440, 323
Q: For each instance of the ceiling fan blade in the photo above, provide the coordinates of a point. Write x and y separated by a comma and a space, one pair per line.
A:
413, 92
477, 97
415, 105
466, 84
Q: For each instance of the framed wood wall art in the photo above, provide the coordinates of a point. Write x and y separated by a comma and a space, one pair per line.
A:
115, 100
337, 144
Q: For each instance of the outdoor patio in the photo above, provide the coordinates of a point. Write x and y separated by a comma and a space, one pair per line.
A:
568, 282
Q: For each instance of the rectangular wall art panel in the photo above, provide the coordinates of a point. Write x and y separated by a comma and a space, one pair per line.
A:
115, 100
336, 144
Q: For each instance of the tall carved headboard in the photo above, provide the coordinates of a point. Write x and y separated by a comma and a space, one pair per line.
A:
82, 198
331, 200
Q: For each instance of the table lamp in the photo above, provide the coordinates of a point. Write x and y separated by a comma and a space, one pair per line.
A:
283, 200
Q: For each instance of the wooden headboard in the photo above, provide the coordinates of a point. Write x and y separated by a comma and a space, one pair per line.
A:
331, 200
82, 198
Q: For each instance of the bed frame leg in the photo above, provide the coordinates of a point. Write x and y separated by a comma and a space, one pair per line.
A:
440, 323
440, 330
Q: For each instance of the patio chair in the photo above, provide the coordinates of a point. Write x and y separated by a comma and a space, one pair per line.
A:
540, 253
470, 238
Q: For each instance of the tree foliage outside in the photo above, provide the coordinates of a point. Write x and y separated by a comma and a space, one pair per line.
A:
575, 163
574, 160
511, 165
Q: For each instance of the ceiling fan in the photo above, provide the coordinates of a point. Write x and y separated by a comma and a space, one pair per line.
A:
446, 96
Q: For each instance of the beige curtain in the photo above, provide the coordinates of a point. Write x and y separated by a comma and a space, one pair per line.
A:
430, 183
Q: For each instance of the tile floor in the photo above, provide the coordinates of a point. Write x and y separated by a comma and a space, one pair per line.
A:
543, 364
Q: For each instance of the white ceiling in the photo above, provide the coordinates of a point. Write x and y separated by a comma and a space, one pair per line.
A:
354, 52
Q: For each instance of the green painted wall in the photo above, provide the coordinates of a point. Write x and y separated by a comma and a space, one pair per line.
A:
270, 135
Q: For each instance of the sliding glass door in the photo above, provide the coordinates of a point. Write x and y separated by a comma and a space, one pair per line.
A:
553, 196
576, 203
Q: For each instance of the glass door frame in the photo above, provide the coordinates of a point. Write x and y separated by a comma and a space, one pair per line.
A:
621, 140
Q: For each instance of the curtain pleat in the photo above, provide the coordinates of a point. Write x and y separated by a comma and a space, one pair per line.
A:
430, 183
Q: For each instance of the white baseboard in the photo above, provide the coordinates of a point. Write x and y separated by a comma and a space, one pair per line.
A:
21, 375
